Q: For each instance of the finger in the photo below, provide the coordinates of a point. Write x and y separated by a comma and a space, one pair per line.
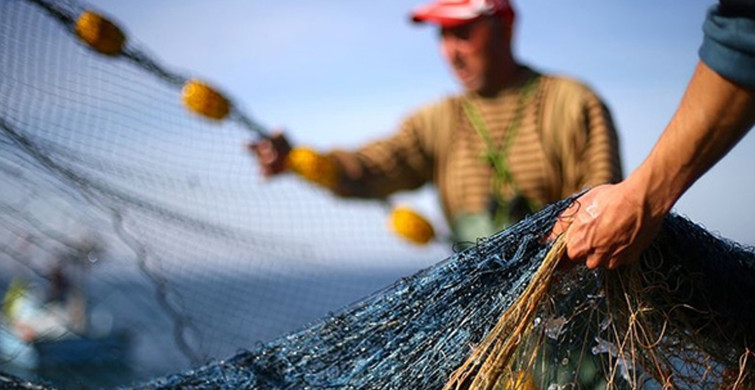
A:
259, 146
266, 153
572, 210
271, 155
595, 260
576, 249
560, 227
562, 224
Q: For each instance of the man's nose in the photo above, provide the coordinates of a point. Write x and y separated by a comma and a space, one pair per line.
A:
450, 47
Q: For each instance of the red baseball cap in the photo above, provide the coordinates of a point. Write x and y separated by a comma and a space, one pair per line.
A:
452, 13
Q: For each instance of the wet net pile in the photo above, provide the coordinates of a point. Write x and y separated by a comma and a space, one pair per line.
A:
106, 174
674, 321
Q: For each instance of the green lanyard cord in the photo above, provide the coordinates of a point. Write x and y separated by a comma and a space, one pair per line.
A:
498, 156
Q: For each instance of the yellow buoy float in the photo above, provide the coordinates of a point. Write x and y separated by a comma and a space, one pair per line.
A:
520, 381
204, 100
313, 167
411, 225
99, 33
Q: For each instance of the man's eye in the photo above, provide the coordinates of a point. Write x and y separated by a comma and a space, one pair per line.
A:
461, 32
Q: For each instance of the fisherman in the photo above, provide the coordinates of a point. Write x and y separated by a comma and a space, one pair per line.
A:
511, 142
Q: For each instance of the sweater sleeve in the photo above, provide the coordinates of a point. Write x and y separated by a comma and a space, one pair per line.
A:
402, 161
729, 43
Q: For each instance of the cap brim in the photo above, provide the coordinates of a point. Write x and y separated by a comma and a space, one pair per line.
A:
441, 22
440, 16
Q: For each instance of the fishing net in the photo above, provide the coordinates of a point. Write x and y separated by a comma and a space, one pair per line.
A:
105, 172
674, 321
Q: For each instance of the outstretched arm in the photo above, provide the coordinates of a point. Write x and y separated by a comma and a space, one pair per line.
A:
610, 225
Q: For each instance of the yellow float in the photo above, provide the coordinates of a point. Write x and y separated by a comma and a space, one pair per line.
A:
99, 33
202, 99
412, 226
313, 166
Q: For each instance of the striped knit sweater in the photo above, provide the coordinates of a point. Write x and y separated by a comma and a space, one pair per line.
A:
565, 142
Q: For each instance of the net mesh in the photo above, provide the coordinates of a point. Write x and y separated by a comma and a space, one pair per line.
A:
117, 199
671, 322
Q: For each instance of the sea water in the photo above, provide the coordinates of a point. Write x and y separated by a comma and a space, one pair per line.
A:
214, 317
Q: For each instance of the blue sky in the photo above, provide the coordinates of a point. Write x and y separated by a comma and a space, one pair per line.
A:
339, 73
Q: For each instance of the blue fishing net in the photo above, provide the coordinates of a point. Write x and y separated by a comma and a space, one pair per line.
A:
695, 326
688, 286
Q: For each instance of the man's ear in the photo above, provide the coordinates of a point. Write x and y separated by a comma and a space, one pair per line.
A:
508, 28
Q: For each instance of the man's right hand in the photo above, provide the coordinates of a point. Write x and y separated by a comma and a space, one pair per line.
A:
271, 153
609, 225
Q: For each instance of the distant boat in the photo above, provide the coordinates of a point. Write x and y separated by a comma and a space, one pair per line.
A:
81, 350
36, 336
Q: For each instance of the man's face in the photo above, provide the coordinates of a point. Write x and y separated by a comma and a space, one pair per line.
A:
472, 50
